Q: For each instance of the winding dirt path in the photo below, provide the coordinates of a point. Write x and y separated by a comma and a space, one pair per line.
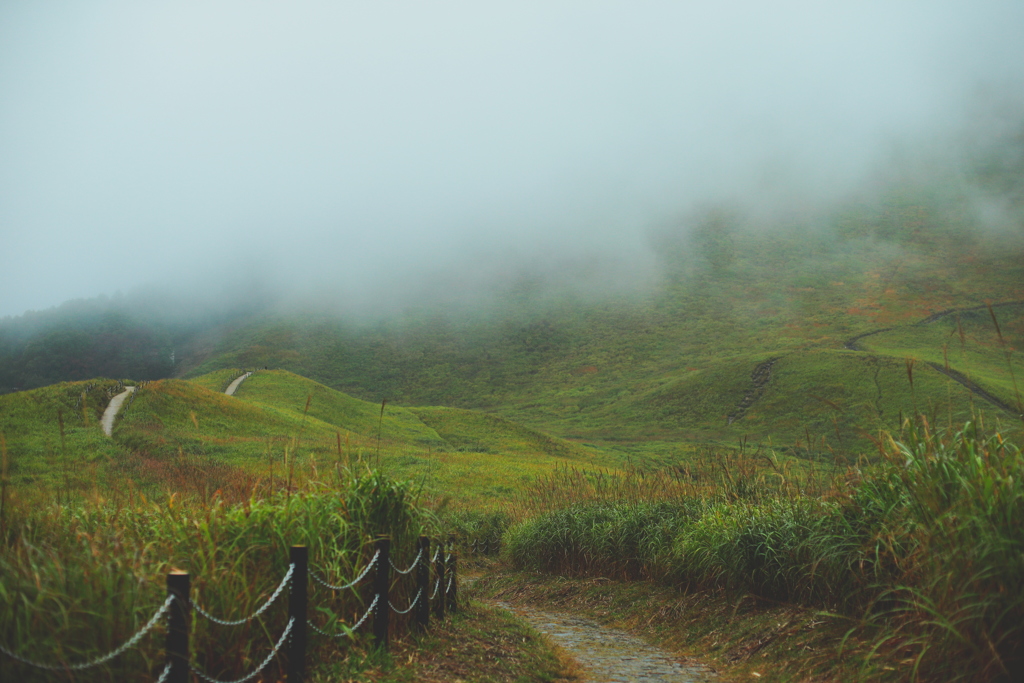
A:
233, 387
950, 311
974, 388
852, 345
112, 409
606, 654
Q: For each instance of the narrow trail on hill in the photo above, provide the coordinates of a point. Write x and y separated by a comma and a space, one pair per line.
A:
112, 409
975, 389
758, 380
233, 387
962, 379
609, 655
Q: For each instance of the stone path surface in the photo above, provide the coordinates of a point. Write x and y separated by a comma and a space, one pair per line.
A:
230, 391
609, 655
112, 408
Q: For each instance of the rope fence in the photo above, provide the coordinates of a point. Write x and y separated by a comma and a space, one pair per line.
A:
179, 606
483, 547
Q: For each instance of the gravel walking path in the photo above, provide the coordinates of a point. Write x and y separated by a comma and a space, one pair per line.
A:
112, 409
610, 655
230, 391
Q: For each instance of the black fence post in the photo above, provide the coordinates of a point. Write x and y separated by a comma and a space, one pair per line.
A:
439, 570
178, 585
453, 578
298, 599
381, 584
423, 584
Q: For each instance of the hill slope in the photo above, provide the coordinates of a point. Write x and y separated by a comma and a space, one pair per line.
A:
183, 435
678, 363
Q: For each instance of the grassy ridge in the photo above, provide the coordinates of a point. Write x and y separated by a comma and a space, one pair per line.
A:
971, 342
188, 436
284, 390
827, 401
218, 380
668, 366
175, 417
53, 434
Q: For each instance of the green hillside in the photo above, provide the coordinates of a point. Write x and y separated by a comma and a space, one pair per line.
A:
53, 434
476, 432
189, 436
290, 392
808, 336
647, 372
968, 341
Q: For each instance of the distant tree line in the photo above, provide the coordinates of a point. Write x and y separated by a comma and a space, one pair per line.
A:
81, 340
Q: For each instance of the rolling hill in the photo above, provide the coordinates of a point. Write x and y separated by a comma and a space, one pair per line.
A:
189, 435
795, 339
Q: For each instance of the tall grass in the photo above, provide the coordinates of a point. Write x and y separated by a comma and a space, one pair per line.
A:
927, 544
77, 580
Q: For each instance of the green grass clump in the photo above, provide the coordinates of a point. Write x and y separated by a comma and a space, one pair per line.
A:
78, 580
928, 545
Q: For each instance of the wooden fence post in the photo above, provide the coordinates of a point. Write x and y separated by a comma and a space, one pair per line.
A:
439, 568
381, 584
176, 647
298, 600
423, 584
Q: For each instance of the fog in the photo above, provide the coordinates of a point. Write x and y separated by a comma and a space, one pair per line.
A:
369, 155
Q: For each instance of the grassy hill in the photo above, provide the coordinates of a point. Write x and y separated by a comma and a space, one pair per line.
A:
189, 435
290, 392
645, 373
809, 335
53, 434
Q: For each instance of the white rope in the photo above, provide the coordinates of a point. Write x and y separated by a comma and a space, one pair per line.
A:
352, 629
414, 601
437, 584
256, 672
257, 613
165, 674
322, 582
449, 588
103, 658
411, 567
436, 554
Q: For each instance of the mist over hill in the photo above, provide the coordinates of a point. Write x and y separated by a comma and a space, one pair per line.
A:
741, 325
533, 305
650, 224
374, 158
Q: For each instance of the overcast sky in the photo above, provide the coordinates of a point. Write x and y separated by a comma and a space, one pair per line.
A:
342, 146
